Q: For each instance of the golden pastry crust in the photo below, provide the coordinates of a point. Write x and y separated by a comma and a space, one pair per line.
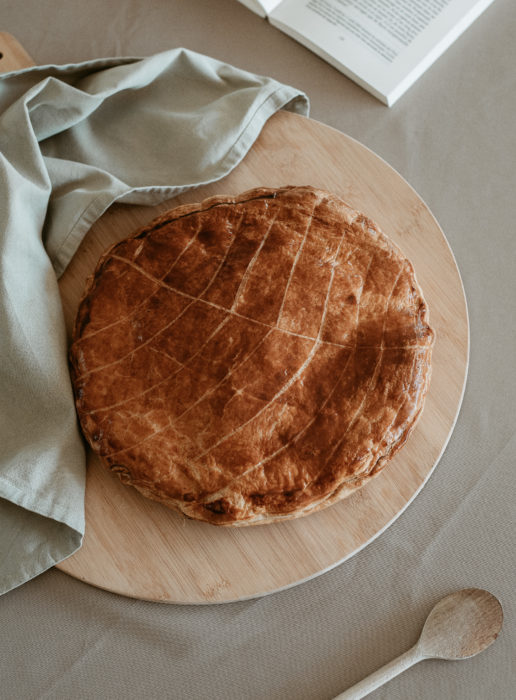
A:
251, 358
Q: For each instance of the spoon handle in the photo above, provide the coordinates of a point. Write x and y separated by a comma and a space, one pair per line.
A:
382, 675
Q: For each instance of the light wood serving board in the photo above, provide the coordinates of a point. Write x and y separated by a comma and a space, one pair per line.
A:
138, 548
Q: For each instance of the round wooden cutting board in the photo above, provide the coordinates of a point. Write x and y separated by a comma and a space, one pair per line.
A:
139, 548
136, 547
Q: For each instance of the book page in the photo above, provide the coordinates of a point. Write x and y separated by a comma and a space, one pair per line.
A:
385, 27
378, 43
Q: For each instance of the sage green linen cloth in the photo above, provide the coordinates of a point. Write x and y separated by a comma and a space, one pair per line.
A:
73, 139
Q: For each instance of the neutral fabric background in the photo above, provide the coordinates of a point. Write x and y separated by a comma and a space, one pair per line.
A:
453, 137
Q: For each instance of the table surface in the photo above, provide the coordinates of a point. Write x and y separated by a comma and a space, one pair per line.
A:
452, 136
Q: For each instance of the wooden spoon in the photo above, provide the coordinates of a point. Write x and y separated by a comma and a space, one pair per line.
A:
459, 626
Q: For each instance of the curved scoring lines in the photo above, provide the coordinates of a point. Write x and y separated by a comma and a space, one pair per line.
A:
252, 262
300, 370
297, 436
187, 247
241, 287
176, 318
136, 308
323, 342
416, 349
406, 397
196, 354
246, 318
283, 389
168, 377
157, 432
361, 475
246, 357
359, 297
317, 343
376, 370
161, 430
294, 264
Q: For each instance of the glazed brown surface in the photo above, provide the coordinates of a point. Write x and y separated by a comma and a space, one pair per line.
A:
251, 358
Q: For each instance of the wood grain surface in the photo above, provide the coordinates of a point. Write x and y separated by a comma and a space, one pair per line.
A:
136, 547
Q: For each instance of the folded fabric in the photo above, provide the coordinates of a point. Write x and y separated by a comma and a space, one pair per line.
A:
73, 139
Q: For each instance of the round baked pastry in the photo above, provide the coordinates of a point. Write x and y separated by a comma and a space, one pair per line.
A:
251, 358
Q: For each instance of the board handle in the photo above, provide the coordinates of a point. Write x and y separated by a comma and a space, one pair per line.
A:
12, 54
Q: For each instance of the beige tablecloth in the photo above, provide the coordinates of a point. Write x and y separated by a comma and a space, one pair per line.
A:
453, 137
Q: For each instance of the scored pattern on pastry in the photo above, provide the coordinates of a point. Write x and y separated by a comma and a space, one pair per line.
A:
251, 358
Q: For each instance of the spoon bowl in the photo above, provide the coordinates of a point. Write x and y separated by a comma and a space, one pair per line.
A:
461, 625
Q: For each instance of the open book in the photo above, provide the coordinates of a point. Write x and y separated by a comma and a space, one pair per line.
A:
383, 45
